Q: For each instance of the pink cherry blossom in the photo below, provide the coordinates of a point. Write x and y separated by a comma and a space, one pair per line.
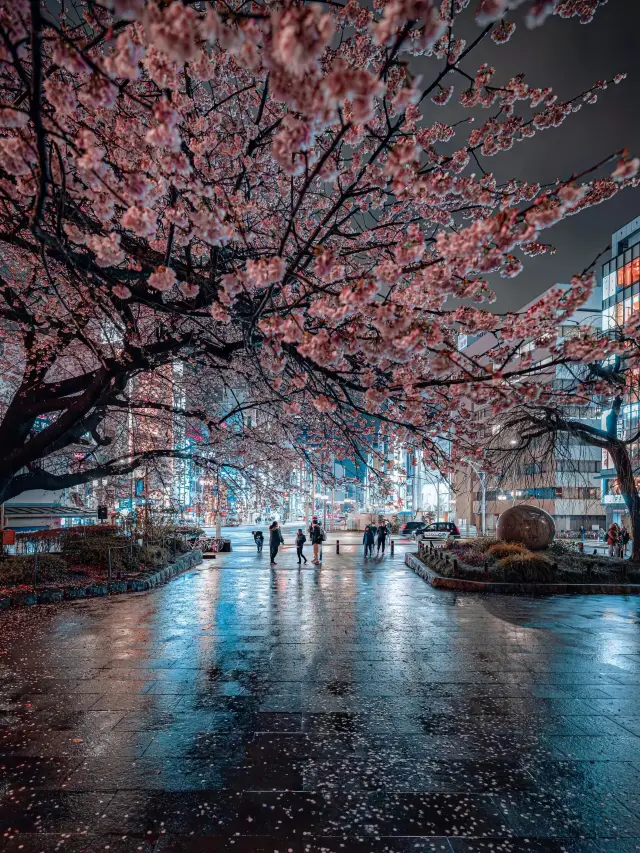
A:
140, 220
188, 290
107, 249
627, 168
163, 279
300, 36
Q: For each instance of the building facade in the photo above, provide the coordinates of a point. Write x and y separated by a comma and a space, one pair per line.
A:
620, 302
566, 483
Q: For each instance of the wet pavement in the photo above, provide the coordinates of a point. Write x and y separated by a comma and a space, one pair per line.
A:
346, 708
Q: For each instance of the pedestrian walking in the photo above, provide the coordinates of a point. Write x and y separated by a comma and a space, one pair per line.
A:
374, 529
613, 535
583, 532
382, 538
623, 541
258, 538
275, 541
367, 540
300, 540
317, 536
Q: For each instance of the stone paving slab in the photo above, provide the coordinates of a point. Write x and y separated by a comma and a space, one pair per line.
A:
346, 709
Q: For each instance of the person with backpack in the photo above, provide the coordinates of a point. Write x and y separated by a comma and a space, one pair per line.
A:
258, 538
367, 540
300, 540
275, 541
317, 537
382, 538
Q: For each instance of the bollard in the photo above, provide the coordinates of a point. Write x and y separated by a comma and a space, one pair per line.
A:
455, 565
35, 569
337, 546
393, 545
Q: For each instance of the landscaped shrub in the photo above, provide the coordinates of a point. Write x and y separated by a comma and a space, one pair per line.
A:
154, 557
176, 545
19, 570
93, 552
468, 554
562, 549
524, 568
500, 550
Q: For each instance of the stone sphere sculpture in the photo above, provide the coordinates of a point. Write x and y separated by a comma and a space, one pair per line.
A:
528, 525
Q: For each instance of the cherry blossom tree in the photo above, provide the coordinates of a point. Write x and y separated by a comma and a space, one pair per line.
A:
266, 191
586, 410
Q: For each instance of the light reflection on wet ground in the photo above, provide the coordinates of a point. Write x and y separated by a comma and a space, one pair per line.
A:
349, 708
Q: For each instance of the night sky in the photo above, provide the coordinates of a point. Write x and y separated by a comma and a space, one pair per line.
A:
569, 57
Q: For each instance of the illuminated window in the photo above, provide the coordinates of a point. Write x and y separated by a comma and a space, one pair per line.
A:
627, 275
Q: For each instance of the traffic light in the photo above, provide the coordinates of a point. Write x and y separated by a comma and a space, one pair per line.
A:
102, 513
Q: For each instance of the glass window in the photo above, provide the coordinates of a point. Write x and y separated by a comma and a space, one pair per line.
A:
627, 256
628, 269
635, 270
621, 277
607, 319
609, 285
627, 309
619, 314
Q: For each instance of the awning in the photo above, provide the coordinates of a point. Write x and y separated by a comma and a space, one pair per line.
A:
48, 511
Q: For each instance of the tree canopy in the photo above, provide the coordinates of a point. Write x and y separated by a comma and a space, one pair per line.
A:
266, 193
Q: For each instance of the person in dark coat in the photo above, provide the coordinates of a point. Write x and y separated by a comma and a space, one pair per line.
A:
258, 538
623, 541
275, 541
382, 538
317, 537
367, 540
300, 540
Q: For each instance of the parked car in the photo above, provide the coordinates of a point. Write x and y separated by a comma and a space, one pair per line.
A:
439, 531
409, 528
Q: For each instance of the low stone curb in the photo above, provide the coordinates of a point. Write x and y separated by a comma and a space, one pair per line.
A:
439, 582
73, 593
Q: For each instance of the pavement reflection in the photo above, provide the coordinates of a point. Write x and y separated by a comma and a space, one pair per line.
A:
348, 707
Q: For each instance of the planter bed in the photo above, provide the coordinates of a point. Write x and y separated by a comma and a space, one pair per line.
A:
24, 597
431, 566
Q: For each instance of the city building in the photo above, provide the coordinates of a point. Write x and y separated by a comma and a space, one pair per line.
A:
566, 483
620, 301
